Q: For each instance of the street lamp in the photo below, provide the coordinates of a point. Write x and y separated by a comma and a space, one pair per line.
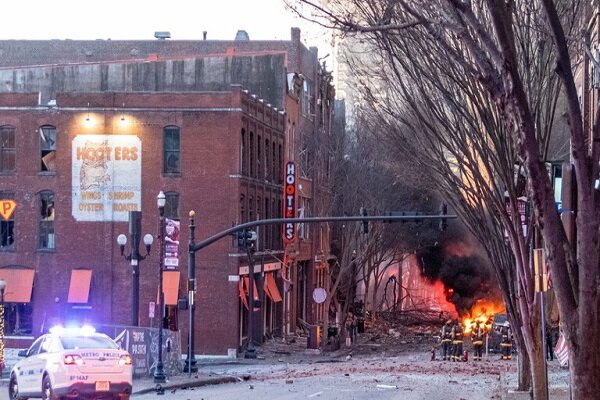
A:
2, 287
135, 226
161, 200
190, 362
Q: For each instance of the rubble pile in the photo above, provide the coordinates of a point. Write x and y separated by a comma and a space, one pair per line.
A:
401, 332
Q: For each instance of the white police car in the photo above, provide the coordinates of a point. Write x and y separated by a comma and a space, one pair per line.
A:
72, 363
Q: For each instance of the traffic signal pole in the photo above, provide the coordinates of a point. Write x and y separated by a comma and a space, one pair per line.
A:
193, 247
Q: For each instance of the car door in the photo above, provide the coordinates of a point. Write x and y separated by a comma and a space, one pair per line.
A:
38, 363
25, 368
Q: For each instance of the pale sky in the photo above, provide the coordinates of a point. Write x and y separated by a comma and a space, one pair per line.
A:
139, 19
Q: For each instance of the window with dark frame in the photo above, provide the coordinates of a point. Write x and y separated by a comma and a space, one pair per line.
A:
171, 150
7, 227
267, 160
252, 154
18, 319
47, 148
172, 205
46, 222
259, 166
244, 156
7, 148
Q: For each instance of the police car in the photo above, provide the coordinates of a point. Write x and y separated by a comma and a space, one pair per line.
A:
72, 363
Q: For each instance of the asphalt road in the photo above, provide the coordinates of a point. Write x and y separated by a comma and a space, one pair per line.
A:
355, 379
406, 387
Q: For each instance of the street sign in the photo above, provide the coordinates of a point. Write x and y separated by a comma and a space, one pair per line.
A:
7, 207
151, 307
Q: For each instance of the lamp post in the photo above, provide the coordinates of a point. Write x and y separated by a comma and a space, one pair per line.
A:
159, 373
190, 362
249, 243
2, 287
135, 226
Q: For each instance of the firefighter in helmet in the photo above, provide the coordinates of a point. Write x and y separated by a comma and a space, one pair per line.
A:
457, 341
477, 335
446, 336
506, 342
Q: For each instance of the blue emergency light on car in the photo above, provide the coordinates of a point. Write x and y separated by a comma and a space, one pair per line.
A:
85, 330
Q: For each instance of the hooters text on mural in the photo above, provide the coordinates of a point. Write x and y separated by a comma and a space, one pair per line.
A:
106, 177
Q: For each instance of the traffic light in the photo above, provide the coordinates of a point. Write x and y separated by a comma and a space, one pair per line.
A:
443, 221
365, 223
249, 238
245, 239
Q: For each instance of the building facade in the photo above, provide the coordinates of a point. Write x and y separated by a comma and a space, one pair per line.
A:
94, 129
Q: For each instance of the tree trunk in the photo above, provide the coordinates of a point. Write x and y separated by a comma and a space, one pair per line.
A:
523, 372
584, 379
537, 356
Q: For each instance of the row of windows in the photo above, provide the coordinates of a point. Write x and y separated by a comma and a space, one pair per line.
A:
46, 218
260, 158
251, 209
171, 149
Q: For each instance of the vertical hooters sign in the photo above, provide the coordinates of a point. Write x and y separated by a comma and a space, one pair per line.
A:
289, 202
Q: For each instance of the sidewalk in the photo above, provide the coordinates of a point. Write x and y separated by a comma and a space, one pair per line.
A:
181, 381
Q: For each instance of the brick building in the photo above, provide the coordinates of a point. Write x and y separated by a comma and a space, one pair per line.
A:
204, 122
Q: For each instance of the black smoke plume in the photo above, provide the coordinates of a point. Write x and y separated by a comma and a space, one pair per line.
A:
466, 279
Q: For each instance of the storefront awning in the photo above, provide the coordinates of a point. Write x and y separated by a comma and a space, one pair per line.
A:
244, 291
271, 288
79, 287
247, 287
170, 287
19, 283
243, 295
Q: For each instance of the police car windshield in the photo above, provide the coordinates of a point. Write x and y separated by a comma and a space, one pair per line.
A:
87, 342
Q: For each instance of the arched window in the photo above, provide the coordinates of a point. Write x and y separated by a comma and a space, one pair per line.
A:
46, 220
47, 147
7, 148
171, 150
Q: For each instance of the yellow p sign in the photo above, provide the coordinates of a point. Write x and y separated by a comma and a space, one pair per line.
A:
7, 207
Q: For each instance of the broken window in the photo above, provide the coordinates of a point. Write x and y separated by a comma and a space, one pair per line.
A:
46, 225
171, 150
7, 148
7, 227
307, 107
48, 147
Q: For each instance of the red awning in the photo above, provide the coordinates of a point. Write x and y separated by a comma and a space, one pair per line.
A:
170, 287
247, 287
243, 295
271, 288
79, 287
19, 283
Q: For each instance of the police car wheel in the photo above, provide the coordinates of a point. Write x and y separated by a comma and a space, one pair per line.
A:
13, 389
47, 392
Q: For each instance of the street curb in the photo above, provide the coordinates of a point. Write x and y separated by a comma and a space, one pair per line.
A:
189, 384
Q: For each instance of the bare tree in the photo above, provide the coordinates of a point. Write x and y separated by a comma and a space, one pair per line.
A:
505, 52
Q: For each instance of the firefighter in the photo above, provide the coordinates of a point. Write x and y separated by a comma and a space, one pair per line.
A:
477, 337
457, 341
446, 336
506, 342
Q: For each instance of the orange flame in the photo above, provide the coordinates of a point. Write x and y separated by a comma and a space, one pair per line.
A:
483, 311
